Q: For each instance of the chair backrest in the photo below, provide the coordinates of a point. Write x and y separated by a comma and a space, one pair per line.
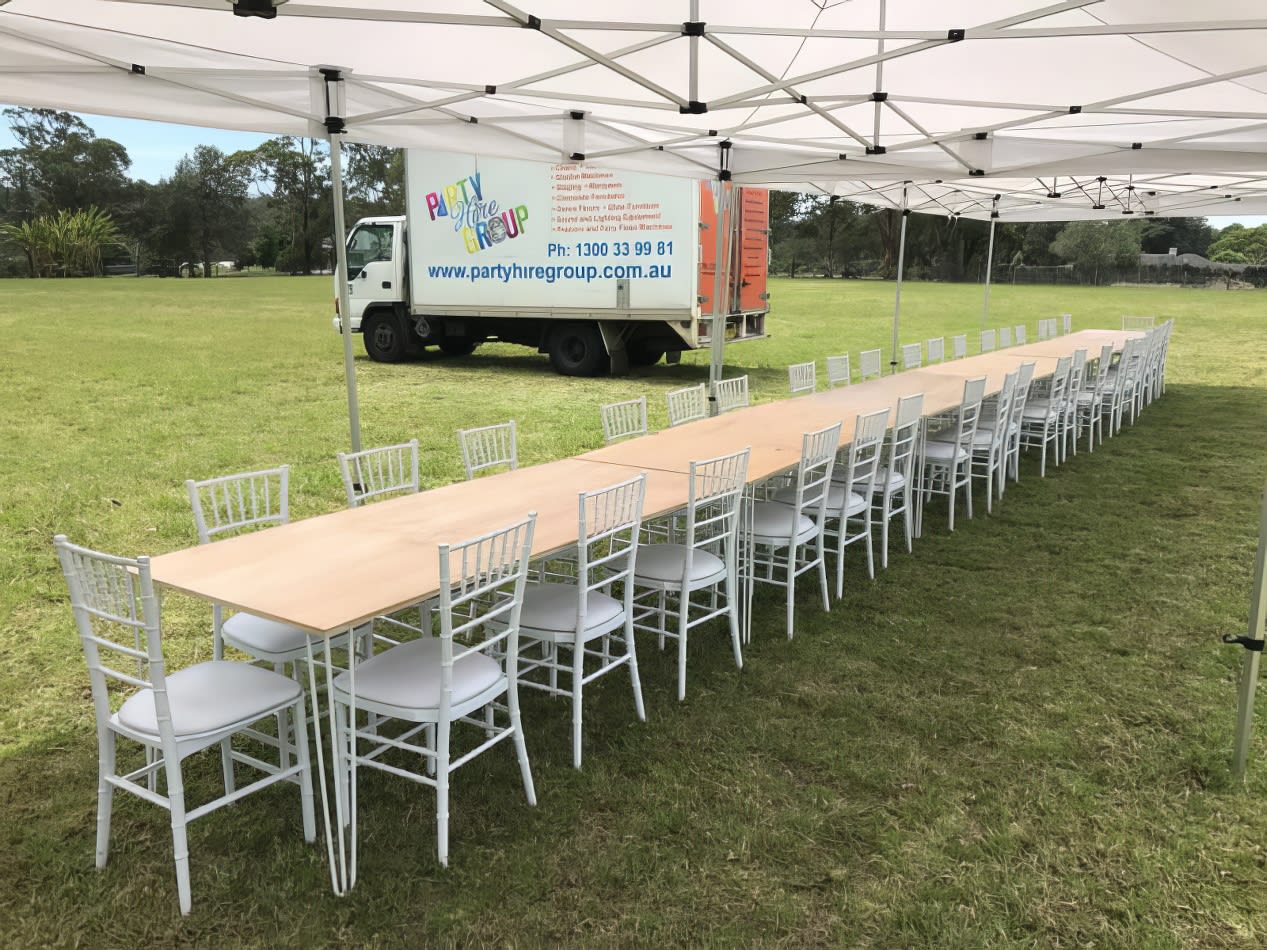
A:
1003, 417
862, 455
687, 405
712, 509
488, 447
1020, 334
481, 593
1097, 382
869, 364
1066, 323
1138, 323
969, 412
623, 420
1046, 328
608, 523
905, 435
232, 504
1005, 336
1020, 396
837, 371
813, 473
802, 378
987, 341
959, 346
117, 615
373, 473
937, 350
732, 393
912, 355
1077, 367
1060, 382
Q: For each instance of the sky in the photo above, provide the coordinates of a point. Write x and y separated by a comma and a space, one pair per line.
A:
156, 147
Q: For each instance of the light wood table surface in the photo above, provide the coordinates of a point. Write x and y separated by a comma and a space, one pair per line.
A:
333, 572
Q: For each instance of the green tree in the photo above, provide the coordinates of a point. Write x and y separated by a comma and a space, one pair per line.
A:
64, 244
208, 200
58, 163
1238, 244
374, 180
295, 172
1097, 248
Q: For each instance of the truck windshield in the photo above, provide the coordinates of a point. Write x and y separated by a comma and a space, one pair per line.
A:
369, 242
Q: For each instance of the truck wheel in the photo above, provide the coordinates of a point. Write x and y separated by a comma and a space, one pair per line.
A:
457, 346
383, 340
644, 354
576, 349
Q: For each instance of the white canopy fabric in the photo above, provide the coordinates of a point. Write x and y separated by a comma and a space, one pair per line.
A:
1165, 99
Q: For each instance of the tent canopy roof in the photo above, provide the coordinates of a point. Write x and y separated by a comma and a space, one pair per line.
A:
1166, 101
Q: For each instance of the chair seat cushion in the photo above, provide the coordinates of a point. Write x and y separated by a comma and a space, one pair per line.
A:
209, 697
1039, 409
266, 638
408, 676
894, 480
943, 452
552, 608
775, 522
664, 563
837, 497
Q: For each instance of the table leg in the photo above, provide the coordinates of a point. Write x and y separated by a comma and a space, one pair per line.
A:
342, 873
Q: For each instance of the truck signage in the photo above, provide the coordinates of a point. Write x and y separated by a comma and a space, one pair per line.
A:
495, 231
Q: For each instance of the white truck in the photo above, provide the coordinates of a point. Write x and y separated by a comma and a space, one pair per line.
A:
601, 269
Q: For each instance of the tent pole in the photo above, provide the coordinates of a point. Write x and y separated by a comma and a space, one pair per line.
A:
720, 281
341, 282
989, 262
1253, 642
897, 294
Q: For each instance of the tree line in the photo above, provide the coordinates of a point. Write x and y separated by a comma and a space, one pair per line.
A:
268, 206
68, 207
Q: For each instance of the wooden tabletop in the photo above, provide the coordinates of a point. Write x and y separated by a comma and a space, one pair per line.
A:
333, 572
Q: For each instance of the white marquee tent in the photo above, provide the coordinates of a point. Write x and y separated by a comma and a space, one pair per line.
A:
1011, 110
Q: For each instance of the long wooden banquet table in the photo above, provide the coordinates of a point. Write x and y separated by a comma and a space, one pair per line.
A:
334, 572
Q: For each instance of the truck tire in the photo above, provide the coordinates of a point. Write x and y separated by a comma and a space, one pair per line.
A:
458, 346
576, 349
384, 341
644, 354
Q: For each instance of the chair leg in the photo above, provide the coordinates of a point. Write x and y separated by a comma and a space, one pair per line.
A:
521, 747
226, 759
884, 536
105, 795
442, 792
684, 613
634, 679
732, 616
578, 687
180, 840
306, 803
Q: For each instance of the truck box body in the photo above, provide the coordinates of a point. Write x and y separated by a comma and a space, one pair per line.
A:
561, 257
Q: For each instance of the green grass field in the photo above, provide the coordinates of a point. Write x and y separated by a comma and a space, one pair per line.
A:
1019, 735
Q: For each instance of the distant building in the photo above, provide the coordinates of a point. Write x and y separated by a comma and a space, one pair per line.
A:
1194, 261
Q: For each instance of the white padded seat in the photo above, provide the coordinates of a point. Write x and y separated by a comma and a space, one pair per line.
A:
835, 499
551, 608
894, 480
662, 563
1039, 409
774, 521
208, 697
265, 638
944, 451
408, 676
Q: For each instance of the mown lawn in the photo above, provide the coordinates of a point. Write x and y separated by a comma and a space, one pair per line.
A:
1017, 736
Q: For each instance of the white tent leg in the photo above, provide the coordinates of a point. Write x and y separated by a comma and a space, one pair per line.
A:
1255, 637
897, 294
341, 281
720, 282
989, 262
